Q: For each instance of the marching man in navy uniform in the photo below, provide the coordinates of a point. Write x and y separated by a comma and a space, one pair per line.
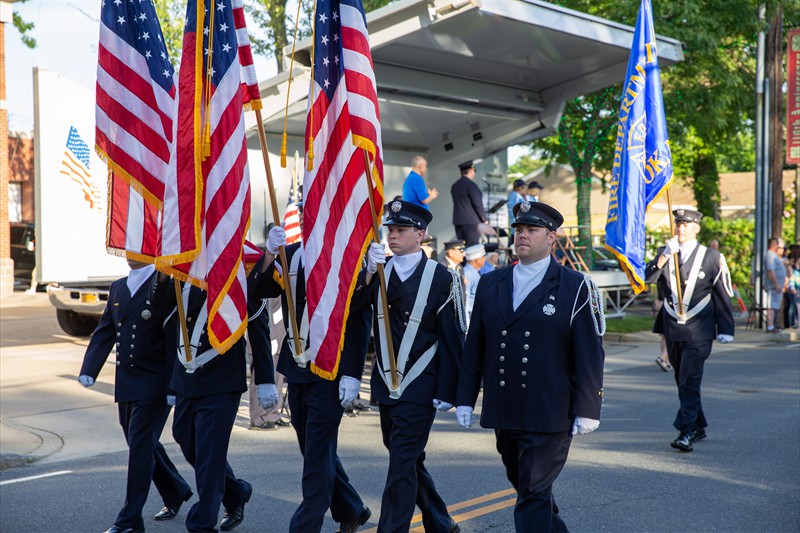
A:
427, 332
208, 387
535, 343
134, 328
706, 315
317, 404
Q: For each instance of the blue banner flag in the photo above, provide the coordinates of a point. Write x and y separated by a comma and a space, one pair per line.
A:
642, 167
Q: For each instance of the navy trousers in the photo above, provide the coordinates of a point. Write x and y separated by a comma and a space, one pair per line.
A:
316, 414
688, 359
405, 427
533, 461
468, 233
142, 422
202, 427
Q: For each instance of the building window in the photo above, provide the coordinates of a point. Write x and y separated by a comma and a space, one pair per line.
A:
15, 202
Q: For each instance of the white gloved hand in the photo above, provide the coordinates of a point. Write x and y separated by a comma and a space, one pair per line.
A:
464, 416
582, 425
672, 247
86, 381
375, 255
171, 400
442, 406
276, 239
348, 390
724, 339
267, 395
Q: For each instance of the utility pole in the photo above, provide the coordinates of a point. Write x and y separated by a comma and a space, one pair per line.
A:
762, 175
774, 71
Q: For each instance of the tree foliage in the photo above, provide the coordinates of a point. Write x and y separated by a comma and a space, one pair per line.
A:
171, 15
708, 97
24, 28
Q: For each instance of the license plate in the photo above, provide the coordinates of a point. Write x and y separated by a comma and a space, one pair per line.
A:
89, 298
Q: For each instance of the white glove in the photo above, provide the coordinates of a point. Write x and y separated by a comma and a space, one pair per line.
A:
724, 339
348, 390
464, 416
171, 400
442, 406
672, 247
86, 381
375, 255
582, 426
267, 395
276, 239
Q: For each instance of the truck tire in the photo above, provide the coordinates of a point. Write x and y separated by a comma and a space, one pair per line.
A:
76, 324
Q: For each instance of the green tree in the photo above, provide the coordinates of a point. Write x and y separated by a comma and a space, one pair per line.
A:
171, 15
708, 97
24, 28
526, 164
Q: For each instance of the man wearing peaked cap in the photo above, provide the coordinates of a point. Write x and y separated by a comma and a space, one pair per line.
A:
535, 343
468, 210
516, 196
706, 316
475, 256
427, 333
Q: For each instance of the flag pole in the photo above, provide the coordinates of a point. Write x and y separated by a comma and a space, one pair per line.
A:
262, 138
187, 348
381, 276
678, 290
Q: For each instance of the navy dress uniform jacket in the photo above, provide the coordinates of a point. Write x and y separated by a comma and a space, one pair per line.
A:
270, 285
467, 202
539, 371
224, 373
716, 318
438, 323
135, 327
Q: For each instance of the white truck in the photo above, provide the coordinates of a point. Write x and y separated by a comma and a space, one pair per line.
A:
70, 204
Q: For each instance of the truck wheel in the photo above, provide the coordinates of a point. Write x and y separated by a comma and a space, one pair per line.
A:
75, 324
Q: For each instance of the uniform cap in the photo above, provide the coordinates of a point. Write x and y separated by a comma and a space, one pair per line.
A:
537, 214
476, 251
687, 215
400, 213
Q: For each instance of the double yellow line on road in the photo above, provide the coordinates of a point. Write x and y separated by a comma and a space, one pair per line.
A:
473, 513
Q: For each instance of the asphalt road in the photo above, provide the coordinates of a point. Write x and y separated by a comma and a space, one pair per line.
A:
622, 478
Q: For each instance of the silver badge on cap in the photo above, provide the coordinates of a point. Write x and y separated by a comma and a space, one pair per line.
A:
549, 309
396, 206
525, 207
146, 314
681, 212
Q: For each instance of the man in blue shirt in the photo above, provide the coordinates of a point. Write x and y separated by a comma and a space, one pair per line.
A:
516, 196
414, 188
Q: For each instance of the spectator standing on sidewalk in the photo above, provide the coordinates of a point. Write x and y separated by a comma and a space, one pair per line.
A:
774, 281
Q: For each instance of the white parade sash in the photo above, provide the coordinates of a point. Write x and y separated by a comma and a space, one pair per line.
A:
691, 282
405, 379
202, 317
303, 358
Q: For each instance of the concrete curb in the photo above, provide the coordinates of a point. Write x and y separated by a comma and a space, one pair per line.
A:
23, 445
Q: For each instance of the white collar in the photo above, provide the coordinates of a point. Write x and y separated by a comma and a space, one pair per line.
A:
404, 265
527, 278
687, 248
137, 277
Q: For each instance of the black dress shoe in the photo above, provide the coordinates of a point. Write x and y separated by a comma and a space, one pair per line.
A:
168, 512
352, 527
699, 434
683, 442
121, 529
454, 527
234, 516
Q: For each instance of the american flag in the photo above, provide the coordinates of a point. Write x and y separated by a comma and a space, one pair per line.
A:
75, 165
207, 196
135, 96
133, 223
343, 117
291, 219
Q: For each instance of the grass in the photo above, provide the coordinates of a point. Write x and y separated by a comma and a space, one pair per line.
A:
629, 323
